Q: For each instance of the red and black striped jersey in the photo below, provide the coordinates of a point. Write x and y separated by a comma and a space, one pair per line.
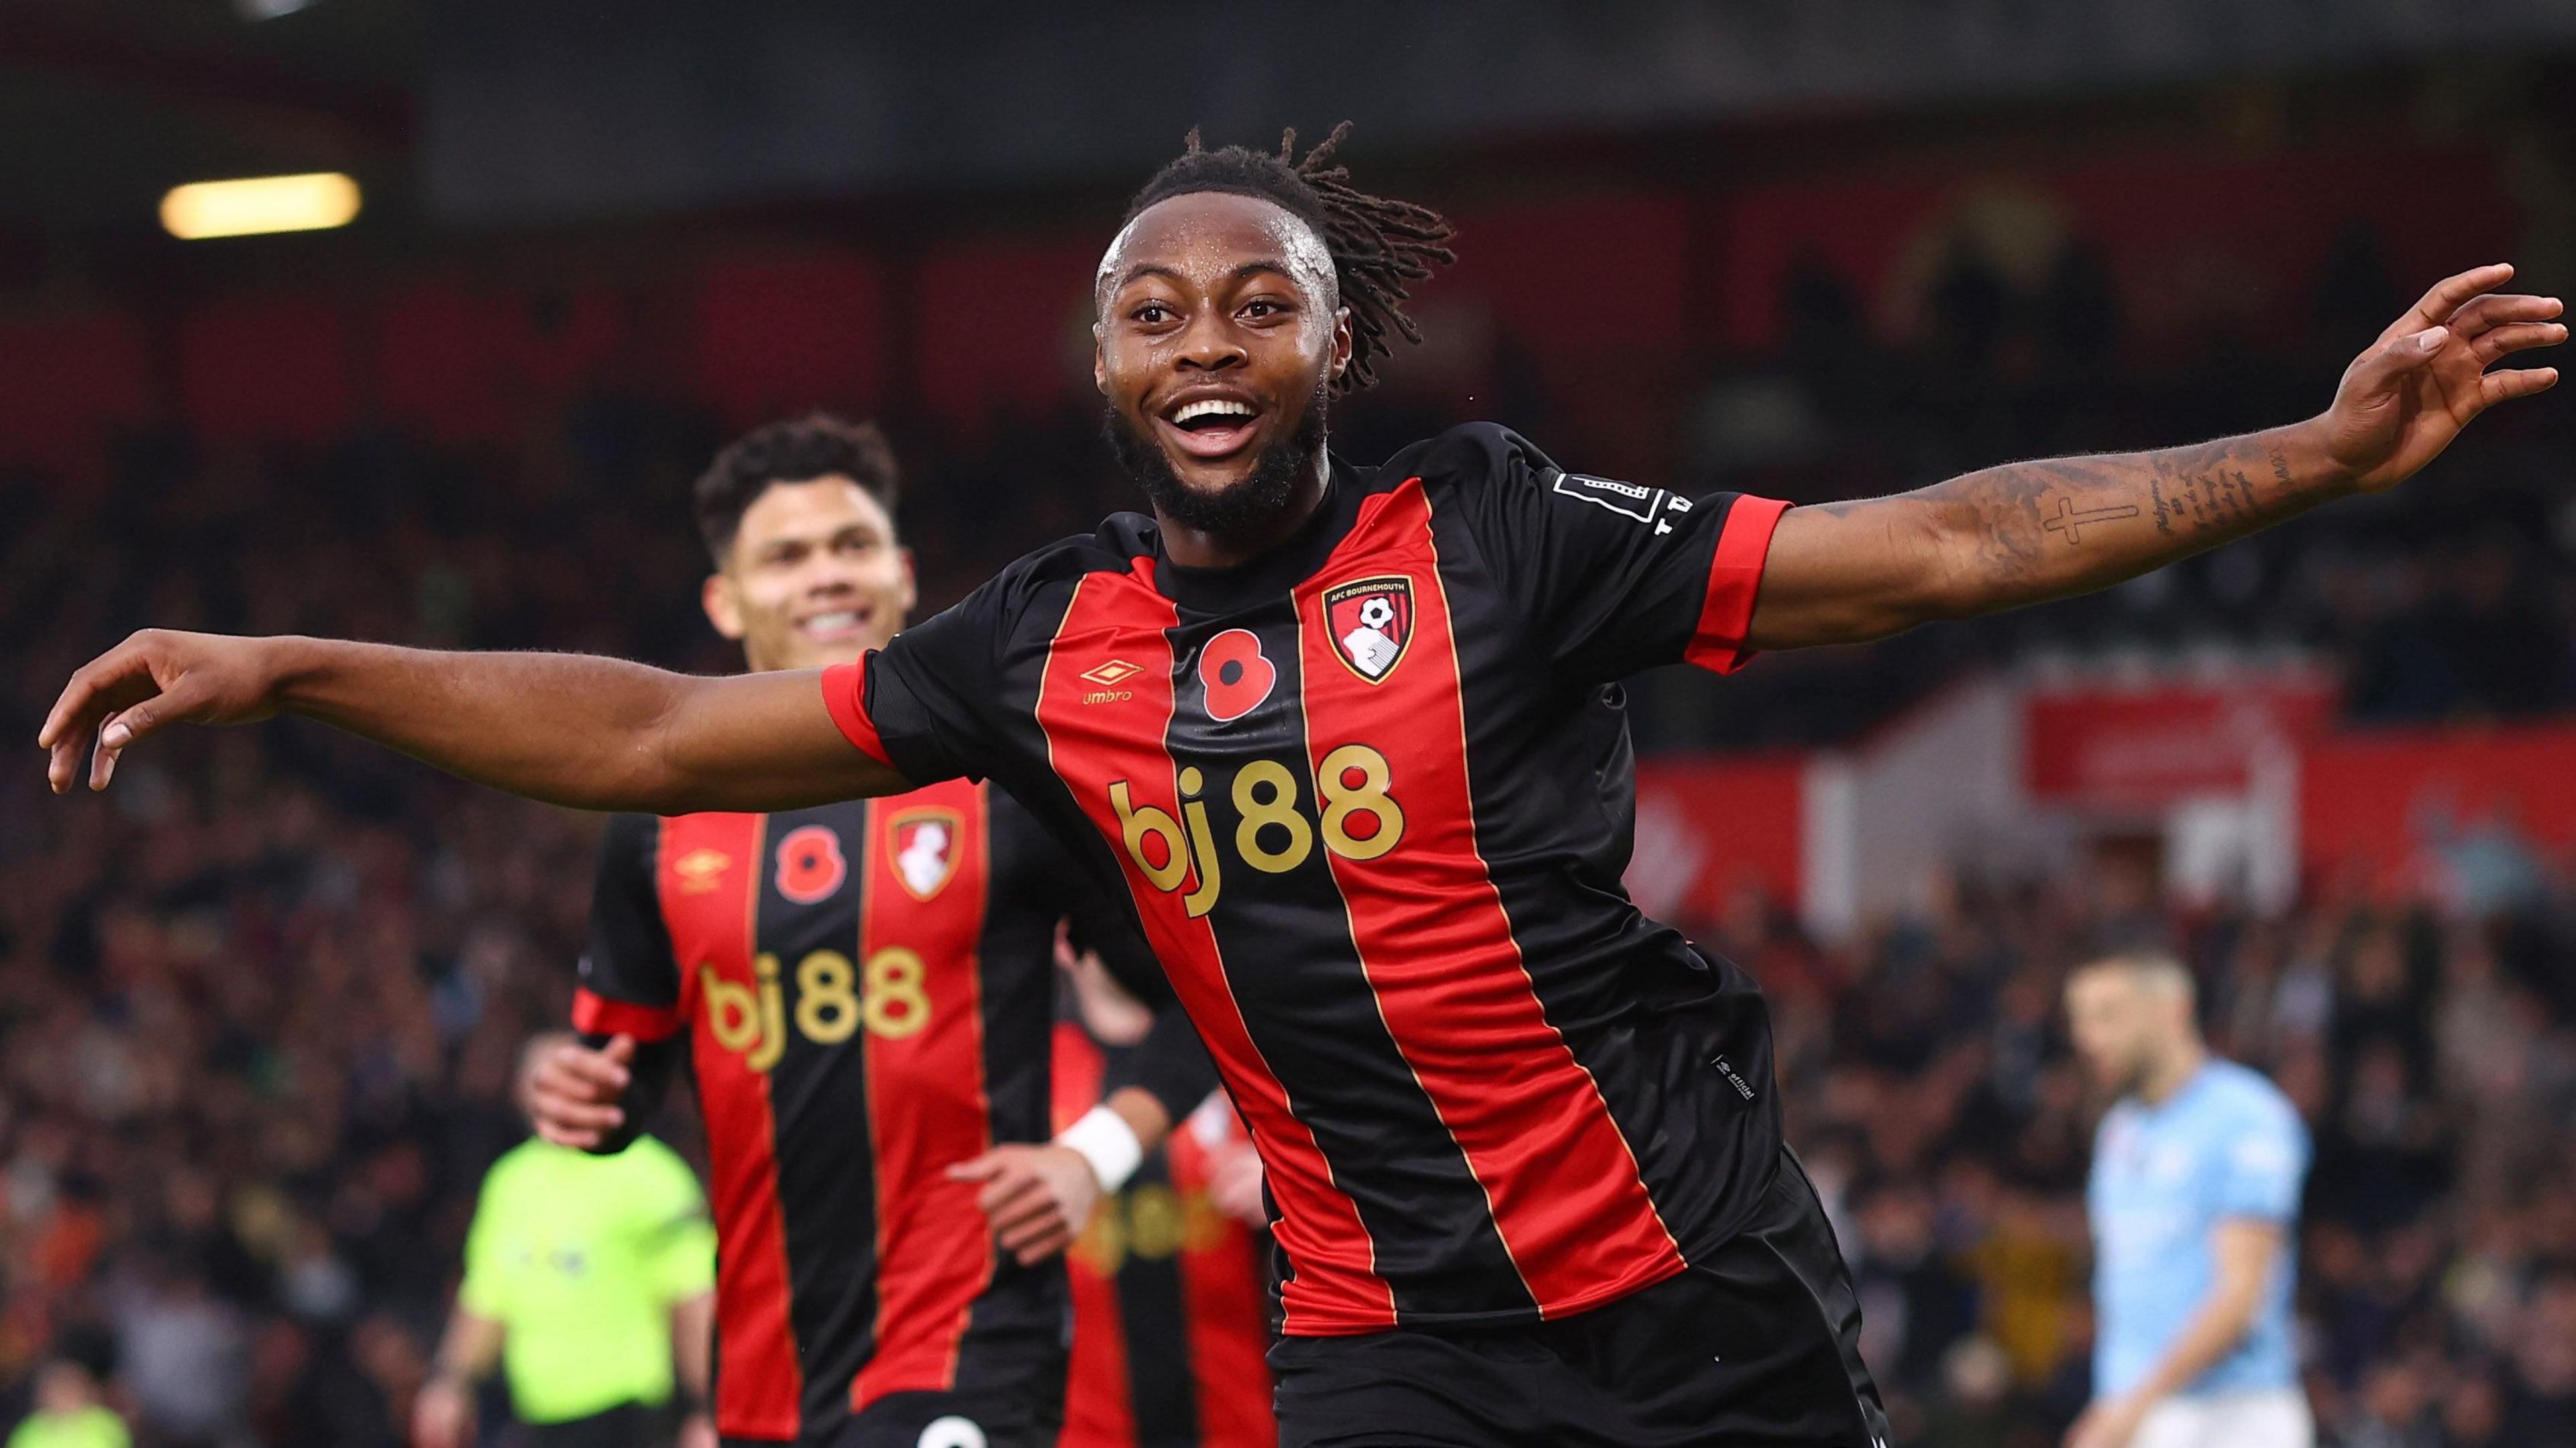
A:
865, 995
1170, 1314
1371, 795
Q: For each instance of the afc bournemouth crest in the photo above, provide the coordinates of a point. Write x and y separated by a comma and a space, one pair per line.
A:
924, 843
1371, 622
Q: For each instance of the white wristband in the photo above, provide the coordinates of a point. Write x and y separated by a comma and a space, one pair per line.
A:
1107, 1142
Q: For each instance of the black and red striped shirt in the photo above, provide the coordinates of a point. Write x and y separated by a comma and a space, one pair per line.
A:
865, 994
1170, 1315
1370, 795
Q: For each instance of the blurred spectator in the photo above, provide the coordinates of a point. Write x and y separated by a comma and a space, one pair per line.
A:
184, 1359
68, 1412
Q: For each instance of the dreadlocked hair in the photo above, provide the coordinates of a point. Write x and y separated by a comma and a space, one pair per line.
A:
1378, 245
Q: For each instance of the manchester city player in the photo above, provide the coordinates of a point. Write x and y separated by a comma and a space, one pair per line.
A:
2194, 1196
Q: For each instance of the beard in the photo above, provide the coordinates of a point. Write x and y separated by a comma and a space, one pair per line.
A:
1243, 510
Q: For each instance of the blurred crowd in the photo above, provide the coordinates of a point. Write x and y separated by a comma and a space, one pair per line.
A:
2453, 597
2432, 1054
258, 1008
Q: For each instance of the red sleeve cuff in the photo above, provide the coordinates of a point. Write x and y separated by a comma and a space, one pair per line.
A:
1734, 580
597, 1015
845, 693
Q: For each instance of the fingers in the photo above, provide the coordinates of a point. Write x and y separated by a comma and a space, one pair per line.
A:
1027, 1218
2516, 337
575, 1112
1015, 1221
583, 1074
2499, 309
1039, 1243
72, 726
1012, 1199
573, 1094
577, 1139
2378, 372
620, 1049
120, 729
2447, 296
573, 1123
79, 702
2514, 382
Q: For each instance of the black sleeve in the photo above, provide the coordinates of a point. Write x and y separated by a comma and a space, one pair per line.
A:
1615, 577
929, 690
1104, 926
1171, 1063
630, 984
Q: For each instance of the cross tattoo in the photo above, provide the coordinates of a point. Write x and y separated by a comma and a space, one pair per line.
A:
2071, 522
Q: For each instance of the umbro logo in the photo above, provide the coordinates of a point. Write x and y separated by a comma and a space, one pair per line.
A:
701, 870
1108, 677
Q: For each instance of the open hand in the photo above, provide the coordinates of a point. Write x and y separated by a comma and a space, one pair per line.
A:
1037, 1197
573, 1090
156, 677
2402, 401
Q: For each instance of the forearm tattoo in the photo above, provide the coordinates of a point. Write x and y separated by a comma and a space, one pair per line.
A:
2063, 525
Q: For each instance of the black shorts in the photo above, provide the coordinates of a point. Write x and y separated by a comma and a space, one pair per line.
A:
1009, 1394
1755, 1345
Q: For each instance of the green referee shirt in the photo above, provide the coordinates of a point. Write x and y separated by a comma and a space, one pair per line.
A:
82, 1428
580, 1258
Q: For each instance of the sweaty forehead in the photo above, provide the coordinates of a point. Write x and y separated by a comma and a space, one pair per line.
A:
1206, 236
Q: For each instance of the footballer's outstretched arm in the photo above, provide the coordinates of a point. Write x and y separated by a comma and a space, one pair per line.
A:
2029, 532
568, 729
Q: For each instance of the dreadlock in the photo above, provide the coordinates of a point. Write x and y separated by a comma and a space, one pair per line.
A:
1378, 245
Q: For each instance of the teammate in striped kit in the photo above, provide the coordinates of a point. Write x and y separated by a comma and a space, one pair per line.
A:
1348, 739
1170, 1308
863, 992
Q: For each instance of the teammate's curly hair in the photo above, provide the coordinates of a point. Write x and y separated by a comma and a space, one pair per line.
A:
797, 450
1378, 245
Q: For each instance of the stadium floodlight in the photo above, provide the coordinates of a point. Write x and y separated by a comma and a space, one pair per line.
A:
255, 205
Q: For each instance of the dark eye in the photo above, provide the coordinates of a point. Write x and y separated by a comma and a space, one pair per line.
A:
1152, 312
1264, 307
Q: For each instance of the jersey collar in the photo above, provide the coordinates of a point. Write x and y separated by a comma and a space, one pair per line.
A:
1271, 576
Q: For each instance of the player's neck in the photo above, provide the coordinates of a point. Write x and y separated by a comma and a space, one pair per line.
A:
2173, 1072
1204, 548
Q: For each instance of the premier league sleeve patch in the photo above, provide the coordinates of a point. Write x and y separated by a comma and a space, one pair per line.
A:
1371, 622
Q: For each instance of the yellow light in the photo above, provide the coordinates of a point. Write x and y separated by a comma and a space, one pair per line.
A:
258, 204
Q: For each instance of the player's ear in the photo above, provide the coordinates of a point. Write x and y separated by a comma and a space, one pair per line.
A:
911, 591
1099, 362
1342, 342
724, 609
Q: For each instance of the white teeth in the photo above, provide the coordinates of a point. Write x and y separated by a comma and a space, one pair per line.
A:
826, 622
1211, 407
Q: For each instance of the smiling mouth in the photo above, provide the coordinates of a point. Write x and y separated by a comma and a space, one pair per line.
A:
838, 624
1211, 428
